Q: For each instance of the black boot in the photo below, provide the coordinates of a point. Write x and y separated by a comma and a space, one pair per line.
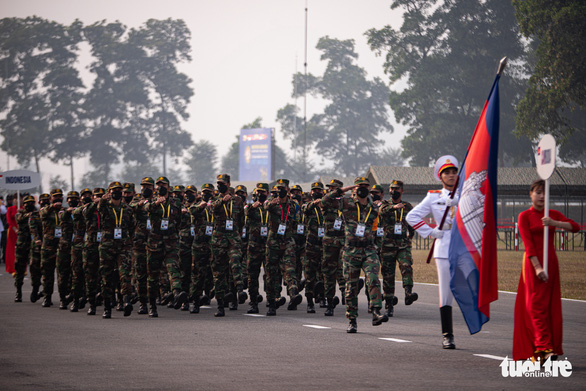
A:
410, 297
360, 285
295, 300
153, 308
352, 327
301, 285
47, 300
92, 309
331, 306
35, 294
107, 310
82, 302
204, 300
195, 308
143, 309
253, 308
389, 305
318, 291
127, 306
378, 318
272, 310
242, 296
185, 306
447, 331
343, 296
180, 298
279, 302
18, 296
233, 306
62, 302
310, 305
220, 312
74, 305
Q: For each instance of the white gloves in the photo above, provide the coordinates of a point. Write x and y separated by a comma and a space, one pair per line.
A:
451, 201
437, 233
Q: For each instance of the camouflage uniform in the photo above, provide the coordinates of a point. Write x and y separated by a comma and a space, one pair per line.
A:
142, 226
51, 235
313, 249
36, 230
23, 246
91, 255
78, 278
64, 253
186, 235
201, 251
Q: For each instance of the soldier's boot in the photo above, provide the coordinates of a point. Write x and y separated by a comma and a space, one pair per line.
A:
35, 294
368, 302
204, 300
378, 318
195, 308
166, 298
228, 297
69, 298
82, 302
318, 291
323, 303
74, 305
134, 298
447, 331
181, 297
390, 304
99, 299
343, 291
330, 308
242, 296
272, 310
18, 296
92, 309
259, 298
153, 308
143, 309
47, 302
253, 308
185, 306
302, 283
410, 297
107, 310
119, 302
295, 300
352, 327
279, 302
233, 305
360, 285
127, 305
310, 305
220, 312
62, 302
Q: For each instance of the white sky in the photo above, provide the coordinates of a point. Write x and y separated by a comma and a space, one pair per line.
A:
244, 53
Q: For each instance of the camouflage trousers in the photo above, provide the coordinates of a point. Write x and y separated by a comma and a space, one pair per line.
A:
201, 269
311, 262
35, 265
22, 255
185, 262
280, 254
77, 275
299, 255
254, 261
48, 263
162, 253
91, 265
332, 266
244, 262
64, 267
389, 259
356, 260
227, 256
115, 258
139, 264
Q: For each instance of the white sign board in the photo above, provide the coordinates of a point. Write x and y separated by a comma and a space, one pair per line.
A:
546, 155
19, 179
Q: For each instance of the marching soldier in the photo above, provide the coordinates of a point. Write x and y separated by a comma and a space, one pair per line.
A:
91, 255
360, 250
78, 287
36, 229
51, 234
23, 244
437, 202
186, 235
301, 236
242, 192
64, 250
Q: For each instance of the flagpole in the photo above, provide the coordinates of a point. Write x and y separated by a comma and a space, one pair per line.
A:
546, 229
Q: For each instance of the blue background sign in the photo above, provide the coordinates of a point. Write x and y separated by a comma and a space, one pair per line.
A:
256, 154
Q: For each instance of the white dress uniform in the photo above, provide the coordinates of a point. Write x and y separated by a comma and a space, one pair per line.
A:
435, 204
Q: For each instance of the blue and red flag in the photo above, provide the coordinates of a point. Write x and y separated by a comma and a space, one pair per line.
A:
473, 245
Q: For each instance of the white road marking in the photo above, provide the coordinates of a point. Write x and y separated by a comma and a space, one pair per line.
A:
499, 358
207, 307
255, 315
395, 340
314, 326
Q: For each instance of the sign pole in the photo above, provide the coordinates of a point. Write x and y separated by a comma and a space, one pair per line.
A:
545, 164
546, 229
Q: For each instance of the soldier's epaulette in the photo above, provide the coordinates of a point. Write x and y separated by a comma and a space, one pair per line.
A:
434, 191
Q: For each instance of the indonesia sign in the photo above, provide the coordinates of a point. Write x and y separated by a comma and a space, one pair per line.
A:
19, 180
256, 154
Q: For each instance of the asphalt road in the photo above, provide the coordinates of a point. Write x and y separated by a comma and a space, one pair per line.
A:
52, 349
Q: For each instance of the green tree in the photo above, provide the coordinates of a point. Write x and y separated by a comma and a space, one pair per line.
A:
555, 101
441, 63
201, 161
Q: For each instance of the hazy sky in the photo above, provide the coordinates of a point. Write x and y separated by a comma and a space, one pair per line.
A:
244, 52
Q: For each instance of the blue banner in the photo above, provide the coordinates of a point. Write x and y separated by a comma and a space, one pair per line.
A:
256, 155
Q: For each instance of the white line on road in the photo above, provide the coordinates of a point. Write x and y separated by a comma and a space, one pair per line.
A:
314, 326
255, 315
395, 340
490, 356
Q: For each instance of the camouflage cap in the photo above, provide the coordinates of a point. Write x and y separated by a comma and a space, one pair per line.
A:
335, 183
147, 181
223, 178
56, 192
207, 186
396, 184
28, 198
378, 188
317, 185
275, 189
361, 180
115, 185
73, 194
191, 189
98, 191
128, 187
282, 183
86, 190
163, 179
262, 186
241, 188
44, 197
297, 187
179, 189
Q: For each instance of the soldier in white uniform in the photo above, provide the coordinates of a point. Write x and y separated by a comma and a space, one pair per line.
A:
435, 203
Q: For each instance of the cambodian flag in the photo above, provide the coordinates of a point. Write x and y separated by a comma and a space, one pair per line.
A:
473, 245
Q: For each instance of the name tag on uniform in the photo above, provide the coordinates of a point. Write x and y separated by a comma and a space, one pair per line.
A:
209, 230
264, 231
99, 236
380, 232
148, 224
117, 233
398, 229
58, 232
192, 230
282, 229
321, 231
300, 229
338, 224
243, 232
164, 224
360, 228
85, 237
229, 225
